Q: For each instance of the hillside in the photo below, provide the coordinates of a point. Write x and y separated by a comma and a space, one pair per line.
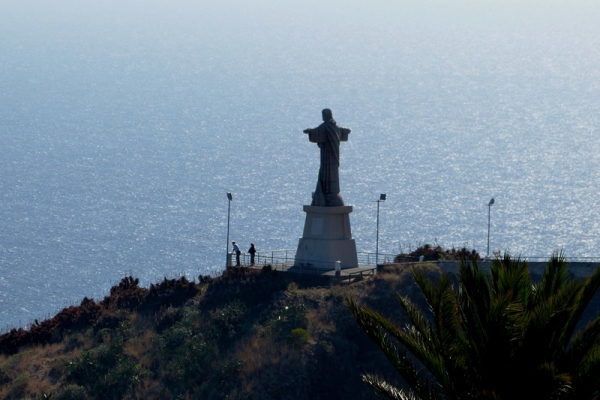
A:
247, 334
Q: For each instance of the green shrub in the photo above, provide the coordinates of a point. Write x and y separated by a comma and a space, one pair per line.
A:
228, 374
184, 356
106, 372
290, 316
229, 320
222, 382
103, 335
16, 390
4, 377
189, 364
171, 339
292, 288
72, 392
298, 338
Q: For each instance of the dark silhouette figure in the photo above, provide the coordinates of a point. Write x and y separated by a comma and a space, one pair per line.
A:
252, 252
328, 137
237, 252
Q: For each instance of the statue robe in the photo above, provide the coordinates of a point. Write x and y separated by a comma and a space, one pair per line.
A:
328, 137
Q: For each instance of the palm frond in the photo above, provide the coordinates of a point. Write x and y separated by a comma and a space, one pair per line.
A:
586, 377
373, 324
583, 342
550, 382
441, 299
588, 288
383, 388
511, 276
475, 299
417, 318
447, 335
554, 278
432, 292
493, 336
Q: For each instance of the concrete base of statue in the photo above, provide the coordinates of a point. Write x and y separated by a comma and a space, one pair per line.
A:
327, 238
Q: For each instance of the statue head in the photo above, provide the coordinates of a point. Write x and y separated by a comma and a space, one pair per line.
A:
327, 115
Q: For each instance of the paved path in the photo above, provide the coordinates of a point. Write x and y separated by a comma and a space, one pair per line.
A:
344, 273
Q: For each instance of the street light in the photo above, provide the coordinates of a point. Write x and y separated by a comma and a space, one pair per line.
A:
382, 197
227, 260
490, 204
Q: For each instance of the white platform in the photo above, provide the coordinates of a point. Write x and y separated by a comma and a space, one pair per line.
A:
327, 238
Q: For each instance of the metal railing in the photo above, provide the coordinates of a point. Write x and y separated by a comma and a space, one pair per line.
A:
568, 259
285, 258
288, 256
272, 257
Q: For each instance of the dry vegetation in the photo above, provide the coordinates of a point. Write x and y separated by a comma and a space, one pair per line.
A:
248, 334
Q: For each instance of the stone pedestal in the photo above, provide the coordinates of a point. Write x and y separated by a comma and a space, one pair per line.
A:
327, 238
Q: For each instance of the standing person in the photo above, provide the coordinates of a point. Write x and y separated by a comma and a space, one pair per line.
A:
237, 252
252, 251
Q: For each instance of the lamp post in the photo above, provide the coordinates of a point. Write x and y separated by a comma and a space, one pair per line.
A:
490, 204
229, 198
382, 197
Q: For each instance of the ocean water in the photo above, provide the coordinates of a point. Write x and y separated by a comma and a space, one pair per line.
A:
124, 124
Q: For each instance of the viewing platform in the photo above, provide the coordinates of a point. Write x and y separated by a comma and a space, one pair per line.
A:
283, 260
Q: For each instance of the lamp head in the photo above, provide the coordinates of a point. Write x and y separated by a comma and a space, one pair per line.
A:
229, 196
491, 203
382, 197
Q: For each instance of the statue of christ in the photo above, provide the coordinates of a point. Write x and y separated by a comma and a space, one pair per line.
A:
328, 137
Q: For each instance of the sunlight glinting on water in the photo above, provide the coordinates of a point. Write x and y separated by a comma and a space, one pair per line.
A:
120, 137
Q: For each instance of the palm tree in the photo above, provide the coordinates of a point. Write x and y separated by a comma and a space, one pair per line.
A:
492, 336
